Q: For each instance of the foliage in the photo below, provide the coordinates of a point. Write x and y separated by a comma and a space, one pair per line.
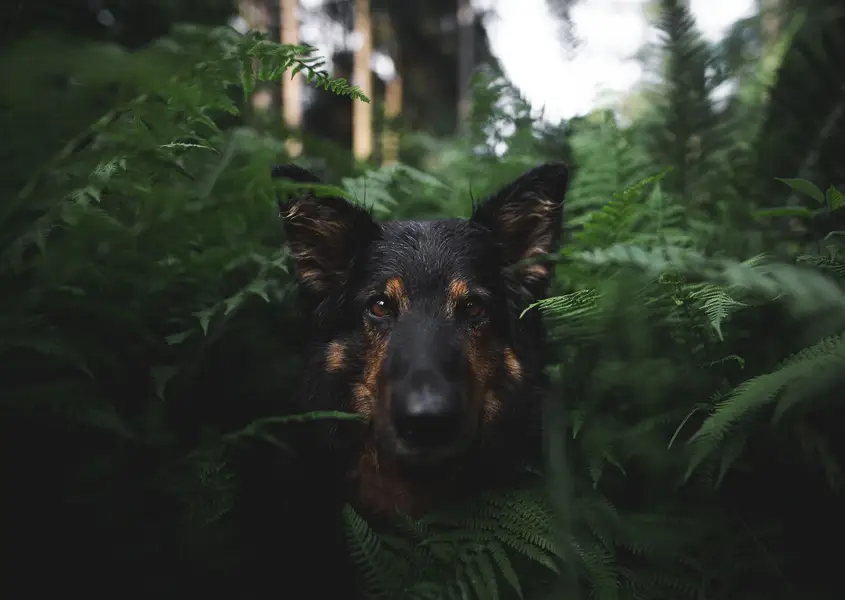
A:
148, 330
470, 551
144, 276
658, 334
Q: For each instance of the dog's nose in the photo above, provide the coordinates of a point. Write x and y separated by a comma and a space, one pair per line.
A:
428, 417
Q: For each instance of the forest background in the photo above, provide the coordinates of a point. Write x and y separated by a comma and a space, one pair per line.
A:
148, 327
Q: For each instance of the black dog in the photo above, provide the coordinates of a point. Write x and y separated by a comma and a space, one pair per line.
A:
416, 325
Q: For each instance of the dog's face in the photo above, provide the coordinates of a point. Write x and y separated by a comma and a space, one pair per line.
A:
420, 319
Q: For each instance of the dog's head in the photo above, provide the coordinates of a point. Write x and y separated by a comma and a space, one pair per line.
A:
419, 320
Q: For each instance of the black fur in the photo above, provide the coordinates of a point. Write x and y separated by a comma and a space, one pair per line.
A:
348, 258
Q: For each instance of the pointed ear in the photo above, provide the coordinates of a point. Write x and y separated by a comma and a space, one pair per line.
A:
525, 218
325, 235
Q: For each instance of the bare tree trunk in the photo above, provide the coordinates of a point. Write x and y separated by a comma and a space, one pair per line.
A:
466, 60
392, 110
291, 87
254, 13
362, 113
257, 17
392, 100
274, 33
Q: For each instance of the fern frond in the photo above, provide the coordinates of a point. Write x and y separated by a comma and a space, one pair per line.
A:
825, 360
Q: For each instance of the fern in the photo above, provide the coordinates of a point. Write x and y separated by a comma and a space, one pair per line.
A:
717, 305
785, 387
139, 259
466, 552
145, 283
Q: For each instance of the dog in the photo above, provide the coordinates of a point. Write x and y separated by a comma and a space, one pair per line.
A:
418, 326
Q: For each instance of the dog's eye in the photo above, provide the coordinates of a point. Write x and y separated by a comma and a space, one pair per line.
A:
473, 308
379, 307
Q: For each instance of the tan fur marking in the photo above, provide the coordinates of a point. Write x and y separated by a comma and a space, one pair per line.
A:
378, 488
491, 407
533, 273
536, 270
308, 216
479, 361
363, 401
367, 473
381, 489
365, 393
483, 368
458, 290
335, 356
514, 212
512, 364
292, 212
395, 290
539, 250
312, 278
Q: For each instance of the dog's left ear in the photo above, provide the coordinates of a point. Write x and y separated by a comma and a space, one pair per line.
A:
326, 235
525, 218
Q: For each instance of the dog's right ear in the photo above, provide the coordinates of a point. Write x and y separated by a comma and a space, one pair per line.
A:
325, 235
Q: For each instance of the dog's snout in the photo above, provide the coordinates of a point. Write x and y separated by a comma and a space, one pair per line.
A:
425, 375
427, 414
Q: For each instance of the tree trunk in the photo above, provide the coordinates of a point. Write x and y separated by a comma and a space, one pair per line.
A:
291, 87
392, 101
257, 17
254, 13
392, 110
362, 112
271, 8
466, 60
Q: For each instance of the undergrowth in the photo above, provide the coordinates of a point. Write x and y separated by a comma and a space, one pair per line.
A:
148, 326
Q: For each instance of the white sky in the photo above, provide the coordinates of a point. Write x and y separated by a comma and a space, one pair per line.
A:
524, 37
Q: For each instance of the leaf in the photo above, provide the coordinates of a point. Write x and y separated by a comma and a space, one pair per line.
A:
177, 338
807, 188
784, 211
247, 77
204, 317
502, 560
161, 376
835, 198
